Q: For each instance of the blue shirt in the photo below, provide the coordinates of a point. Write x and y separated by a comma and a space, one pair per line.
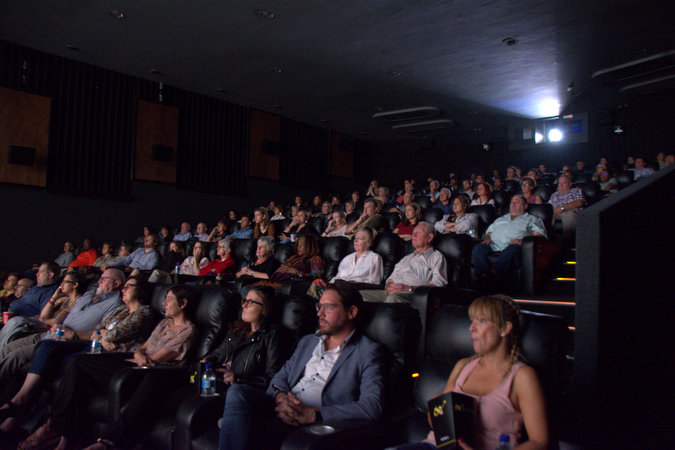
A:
139, 259
32, 302
505, 229
89, 311
447, 209
246, 233
183, 236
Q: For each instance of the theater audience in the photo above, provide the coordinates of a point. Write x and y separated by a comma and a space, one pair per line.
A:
144, 258
9, 284
83, 317
185, 233
372, 189
263, 226
567, 202
467, 189
196, 262
265, 265
67, 256
462, 222
362, 266
87, 256
86, 374
413, 216
22, 286
483, 195
349, 385
165, 234
434, 192
336, 225
32, 302
527, 186
219, 232
444, 202
504, 238
316, 205
124, 330
278, 213
297, 227
641, 170
221, 265
305, 262
201, 234
245, 230
508, 391
423, 267
661, 160
608, 184
106, 257
175, 256
370, 218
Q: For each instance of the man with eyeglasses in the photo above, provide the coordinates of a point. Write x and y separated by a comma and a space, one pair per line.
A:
32, 302
335, 374
89, 311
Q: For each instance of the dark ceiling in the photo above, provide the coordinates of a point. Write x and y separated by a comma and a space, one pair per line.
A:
336, 63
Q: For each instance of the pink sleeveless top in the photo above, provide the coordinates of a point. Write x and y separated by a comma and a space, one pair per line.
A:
496, 414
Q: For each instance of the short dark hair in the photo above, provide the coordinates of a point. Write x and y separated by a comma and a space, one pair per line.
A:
349, 295
80, 279
143, 289
52, 267
183, 293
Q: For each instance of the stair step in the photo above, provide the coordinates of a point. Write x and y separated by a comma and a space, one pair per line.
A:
565, 270
560, 286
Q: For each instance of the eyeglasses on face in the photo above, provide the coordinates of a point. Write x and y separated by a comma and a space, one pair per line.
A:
128, 286
327, 307
246, 303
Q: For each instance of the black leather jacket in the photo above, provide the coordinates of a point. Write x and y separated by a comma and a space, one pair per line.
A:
255, 359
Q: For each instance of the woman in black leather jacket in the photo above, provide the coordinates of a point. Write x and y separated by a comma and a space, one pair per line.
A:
254, 349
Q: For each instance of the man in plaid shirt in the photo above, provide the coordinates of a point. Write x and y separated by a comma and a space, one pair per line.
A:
567, 202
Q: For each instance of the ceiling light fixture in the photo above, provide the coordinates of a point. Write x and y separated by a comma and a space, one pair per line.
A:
265, 14
618, 129
275, 69
555, 135
509, 41
117, 14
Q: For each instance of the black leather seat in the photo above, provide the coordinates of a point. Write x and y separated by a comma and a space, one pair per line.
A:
162, 248
215, 309
592, 192
432, 215
352, 217
391, 248
625, 178
544, 191
545, 212
486, 215
423, 201
391, 219
511, 186
546, 342
395, 326
243, 251
316, 224
502, 199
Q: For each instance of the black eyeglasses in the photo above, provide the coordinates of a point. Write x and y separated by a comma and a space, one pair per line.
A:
128, 286
246, 303
327, 307
68, 281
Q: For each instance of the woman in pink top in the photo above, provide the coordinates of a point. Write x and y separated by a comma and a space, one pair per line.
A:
507, 391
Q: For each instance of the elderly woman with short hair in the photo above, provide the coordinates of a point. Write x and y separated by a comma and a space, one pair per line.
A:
264, 265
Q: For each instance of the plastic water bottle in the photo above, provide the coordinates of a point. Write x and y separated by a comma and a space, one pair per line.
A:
472, 232
208, 381
293, 237
60, 331
96, 343
504, 443
176, 273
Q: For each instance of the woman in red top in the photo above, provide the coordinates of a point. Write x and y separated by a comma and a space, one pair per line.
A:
88, 255
224, 263
413, 216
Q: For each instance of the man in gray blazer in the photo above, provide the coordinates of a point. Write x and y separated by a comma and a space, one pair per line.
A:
335, 374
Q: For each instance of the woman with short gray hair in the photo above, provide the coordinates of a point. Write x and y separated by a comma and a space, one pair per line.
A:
265, 264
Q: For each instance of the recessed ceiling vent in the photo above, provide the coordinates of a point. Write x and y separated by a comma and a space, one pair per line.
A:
650, 74
401, 115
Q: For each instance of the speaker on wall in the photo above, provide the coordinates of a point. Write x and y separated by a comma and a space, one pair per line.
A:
24, 156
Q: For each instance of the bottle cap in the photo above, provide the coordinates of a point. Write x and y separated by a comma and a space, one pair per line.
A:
504, 438
207, 366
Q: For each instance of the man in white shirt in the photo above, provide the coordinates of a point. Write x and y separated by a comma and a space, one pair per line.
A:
424, 267
335, 374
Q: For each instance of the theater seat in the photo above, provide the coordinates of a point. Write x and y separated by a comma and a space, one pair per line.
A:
395, 326
390, 247
545, 212
433, 215
502, 200
511, 186
423, 201
316, 224
243, 251
215, 309
592, 192
486, 215
544, 191
391, 219
625, 178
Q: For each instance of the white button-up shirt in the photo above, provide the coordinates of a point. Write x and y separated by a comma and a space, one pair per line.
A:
366, 269
421, 269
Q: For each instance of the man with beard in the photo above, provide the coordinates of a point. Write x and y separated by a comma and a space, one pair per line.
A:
89, 310
334, 374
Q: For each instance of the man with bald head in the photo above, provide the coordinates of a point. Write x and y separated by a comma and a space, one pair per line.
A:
423, 267
89, 311
504, 237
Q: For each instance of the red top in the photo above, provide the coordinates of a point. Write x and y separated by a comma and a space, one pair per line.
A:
86, 258
218, 266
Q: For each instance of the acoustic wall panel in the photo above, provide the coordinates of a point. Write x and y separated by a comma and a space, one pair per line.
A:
156, 142
24, 137
264, 147
342, 155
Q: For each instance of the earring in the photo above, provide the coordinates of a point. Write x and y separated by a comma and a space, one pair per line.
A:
501, 334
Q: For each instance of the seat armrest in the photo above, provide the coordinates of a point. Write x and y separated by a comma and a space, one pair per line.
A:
124, 383
296, 286
194, 416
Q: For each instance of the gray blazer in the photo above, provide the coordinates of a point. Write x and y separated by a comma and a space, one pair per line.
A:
354, 388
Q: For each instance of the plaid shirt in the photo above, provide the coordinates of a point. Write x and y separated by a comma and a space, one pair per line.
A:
558, 199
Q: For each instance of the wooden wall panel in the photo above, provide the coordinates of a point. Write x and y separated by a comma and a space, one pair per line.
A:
24, 121
342, 155
156, 124
264, 127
